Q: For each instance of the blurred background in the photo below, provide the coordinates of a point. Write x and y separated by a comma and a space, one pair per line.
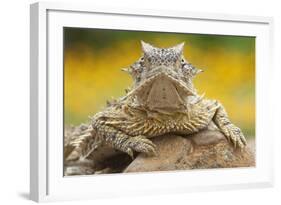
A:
93, 59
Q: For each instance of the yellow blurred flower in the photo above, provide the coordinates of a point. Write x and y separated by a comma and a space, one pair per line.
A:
94, 76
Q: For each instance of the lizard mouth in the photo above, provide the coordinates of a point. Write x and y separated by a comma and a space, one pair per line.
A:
163, 92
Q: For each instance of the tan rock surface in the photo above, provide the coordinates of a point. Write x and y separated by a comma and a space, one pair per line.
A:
206, 149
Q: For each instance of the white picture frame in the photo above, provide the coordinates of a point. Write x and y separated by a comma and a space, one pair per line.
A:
46, 139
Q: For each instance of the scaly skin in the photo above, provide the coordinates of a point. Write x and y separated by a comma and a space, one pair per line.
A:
163, 100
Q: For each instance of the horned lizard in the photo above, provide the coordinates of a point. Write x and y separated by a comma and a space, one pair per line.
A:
162, 100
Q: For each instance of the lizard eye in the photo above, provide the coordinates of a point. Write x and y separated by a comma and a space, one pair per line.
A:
183, 62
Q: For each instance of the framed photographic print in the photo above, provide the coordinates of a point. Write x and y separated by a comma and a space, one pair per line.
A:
127, 102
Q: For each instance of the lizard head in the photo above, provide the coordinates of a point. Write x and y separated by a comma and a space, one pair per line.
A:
162, 78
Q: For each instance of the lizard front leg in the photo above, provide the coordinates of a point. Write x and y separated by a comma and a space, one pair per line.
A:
123, 142
232, 132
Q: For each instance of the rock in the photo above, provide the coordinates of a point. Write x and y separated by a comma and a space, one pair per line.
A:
206, 149
81, 167
103, 160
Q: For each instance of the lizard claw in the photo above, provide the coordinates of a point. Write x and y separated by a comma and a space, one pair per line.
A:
130, 153
141, 144
235, 135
